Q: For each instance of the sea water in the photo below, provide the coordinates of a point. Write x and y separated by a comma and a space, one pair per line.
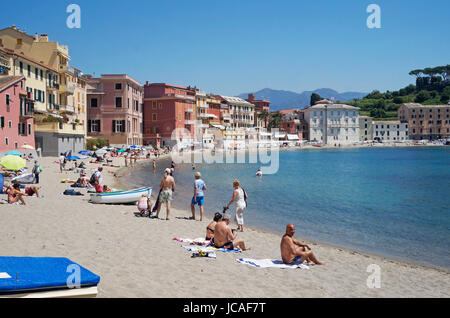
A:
389, 201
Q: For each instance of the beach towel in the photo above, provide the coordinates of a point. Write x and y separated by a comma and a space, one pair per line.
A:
2, 181
265, 263
72, 192
197, 241
155, 208
209, 248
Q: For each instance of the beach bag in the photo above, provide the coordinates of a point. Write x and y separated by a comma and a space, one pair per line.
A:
72, 192
92, 180
245, 197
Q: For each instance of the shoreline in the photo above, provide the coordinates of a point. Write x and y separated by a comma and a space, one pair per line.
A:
137, 257
393, 258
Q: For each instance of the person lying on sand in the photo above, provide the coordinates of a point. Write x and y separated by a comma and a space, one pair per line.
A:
224, 237
31, 190
211, 226
289, 253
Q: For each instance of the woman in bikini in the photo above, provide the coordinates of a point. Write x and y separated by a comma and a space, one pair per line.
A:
212, 225
15, 195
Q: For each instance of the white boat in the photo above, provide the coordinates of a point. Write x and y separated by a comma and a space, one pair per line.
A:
120, 197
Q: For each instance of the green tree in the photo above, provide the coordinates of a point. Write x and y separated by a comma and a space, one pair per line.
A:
315, 98
422, 96
275, 121
398, 100
264, 115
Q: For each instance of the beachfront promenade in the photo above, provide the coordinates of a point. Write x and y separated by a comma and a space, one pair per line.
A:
137, 257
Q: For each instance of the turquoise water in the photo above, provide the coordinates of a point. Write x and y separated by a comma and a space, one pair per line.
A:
390, 201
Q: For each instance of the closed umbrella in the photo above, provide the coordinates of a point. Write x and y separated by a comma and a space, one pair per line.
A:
100, 152
73, 158
13, 163
13, 153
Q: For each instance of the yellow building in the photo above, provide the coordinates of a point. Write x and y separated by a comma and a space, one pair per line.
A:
65, 95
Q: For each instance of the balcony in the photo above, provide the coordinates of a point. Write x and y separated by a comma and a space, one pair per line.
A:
27, 110
68, 89
4, 62
60, 128
205, 106
67, 108
189, 110
190, 122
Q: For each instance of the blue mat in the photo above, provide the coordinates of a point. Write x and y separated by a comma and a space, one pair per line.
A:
37, 274
2, 181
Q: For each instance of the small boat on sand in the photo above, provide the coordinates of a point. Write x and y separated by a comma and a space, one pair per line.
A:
120, 197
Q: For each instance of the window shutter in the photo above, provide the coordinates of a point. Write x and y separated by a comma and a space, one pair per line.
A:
113, 126
2, 122
123, 126
89, 126
98, 122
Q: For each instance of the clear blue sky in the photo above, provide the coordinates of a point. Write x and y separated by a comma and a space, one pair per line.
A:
237, 46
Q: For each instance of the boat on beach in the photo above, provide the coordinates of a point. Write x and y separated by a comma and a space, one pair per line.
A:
120, 197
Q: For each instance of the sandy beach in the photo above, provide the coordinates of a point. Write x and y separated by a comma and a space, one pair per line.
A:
137, 257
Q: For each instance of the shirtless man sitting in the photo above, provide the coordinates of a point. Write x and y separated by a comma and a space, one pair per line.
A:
167, 185
225, 238
289, 253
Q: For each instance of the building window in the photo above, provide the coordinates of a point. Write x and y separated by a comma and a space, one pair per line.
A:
28, 70
118, 102
153, 105
94, 102
19, 41
7, 99
118, 86
154, 117
29, 129
21, 67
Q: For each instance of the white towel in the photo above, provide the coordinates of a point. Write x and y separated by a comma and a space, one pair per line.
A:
264, 263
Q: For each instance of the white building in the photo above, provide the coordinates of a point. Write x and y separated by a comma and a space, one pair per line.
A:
389, 131
333, 124
242, 112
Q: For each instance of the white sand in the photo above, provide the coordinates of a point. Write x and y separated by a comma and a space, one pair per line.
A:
136, 257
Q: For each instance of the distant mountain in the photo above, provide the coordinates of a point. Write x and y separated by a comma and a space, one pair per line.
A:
280, 99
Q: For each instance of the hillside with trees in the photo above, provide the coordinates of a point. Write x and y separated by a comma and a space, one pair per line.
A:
432, 88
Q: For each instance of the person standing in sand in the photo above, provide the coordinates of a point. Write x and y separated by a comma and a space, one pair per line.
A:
167, 185
199, 196
289, 253
224, 236
239, 197
154, 165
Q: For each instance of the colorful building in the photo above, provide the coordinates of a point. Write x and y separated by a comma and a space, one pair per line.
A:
115, 106
16, 114
58, 126
242, 112
169, 107
426, 121
294, 123
261, 105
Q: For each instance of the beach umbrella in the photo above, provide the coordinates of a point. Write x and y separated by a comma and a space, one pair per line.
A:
100, 152
27, 147
73, 158
13, 163
13, 153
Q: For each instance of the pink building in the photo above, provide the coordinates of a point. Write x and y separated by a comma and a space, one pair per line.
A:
167, 107
16, 114
115, 104
260, 106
